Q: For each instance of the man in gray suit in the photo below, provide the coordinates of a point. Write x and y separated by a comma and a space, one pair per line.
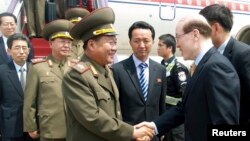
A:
140, 103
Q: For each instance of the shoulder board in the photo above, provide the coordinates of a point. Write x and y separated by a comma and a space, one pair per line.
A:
50, 63
80, 67
93, 70
38, 60
73, 62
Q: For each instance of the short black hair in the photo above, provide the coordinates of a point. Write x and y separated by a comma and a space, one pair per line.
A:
7, 14
169, 41
141, 25
17, 36
218, 13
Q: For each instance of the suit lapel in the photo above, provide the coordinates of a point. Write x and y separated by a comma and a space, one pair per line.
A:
192, 80
229, 48
131, 70
3, 54
152, 77
12, 75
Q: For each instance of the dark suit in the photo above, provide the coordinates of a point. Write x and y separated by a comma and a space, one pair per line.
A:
212, 96
3, 54
238, 53
133, 106
11, 102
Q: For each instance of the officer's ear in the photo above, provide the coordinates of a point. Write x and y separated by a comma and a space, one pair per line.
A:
91, 44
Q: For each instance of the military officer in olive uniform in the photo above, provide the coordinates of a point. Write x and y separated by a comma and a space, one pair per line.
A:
176, 80
44, 109
91, 96
35, 11
75, 15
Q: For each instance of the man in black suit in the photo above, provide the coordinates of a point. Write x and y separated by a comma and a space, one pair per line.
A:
12, 82
212, 95
135, 105
8, 27
221, 20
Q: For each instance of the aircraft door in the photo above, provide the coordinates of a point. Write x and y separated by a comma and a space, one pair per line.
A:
244, 34
167, 11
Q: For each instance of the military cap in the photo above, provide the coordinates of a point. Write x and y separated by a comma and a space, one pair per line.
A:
57, 29
76, 14
98, 22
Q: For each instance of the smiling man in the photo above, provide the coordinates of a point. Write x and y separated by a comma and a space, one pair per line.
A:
91, 96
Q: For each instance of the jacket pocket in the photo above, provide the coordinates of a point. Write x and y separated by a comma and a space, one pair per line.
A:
47, 80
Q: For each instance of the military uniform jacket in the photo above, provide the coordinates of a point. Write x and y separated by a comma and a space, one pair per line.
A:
44, 108
93, 109
77, 49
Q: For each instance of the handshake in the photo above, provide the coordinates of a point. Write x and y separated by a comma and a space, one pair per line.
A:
144, 131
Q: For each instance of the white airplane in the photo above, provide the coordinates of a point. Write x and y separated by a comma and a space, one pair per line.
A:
164, 14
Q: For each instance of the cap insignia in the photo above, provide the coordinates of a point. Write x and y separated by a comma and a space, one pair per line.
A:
103, 31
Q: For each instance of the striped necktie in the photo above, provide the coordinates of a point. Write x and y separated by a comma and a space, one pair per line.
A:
143, 81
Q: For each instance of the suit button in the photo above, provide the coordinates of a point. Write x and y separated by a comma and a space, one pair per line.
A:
118, 113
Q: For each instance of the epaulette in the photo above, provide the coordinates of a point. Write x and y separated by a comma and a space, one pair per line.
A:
38, 60
50, 63
73, 62
80, 67
93, 70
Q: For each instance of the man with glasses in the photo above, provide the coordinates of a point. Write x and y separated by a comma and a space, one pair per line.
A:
176, 74
212, 94
8, 27
44, 109
12, 82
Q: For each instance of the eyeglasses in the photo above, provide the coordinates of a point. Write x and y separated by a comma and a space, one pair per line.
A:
65, 42
177, 37
8, 24
19, 48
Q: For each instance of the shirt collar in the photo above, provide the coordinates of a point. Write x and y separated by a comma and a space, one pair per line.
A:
204, 50
168, 61
19, 67
223, 46
138, 62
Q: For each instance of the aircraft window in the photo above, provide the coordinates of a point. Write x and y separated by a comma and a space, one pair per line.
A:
233, 6
241, 7
207, 2
180, 1
198, 2
189, 2
225, 3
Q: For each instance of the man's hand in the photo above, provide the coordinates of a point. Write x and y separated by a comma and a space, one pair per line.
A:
143, 133
150, 125
34, 134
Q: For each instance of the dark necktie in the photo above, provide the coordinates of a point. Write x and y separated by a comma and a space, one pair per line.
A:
22, 77
143, 81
